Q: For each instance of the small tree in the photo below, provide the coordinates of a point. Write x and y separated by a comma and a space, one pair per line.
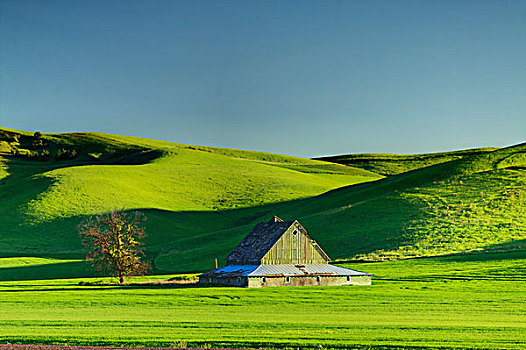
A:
114, 240
37, 142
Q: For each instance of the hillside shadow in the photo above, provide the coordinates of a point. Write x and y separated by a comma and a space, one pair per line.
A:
77, 269
190, 241
505, 251
54, 288
25, 181
17, 167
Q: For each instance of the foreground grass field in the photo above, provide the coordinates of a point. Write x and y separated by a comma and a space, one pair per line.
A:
475, 301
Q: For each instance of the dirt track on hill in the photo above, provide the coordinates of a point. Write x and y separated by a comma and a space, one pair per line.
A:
68, 347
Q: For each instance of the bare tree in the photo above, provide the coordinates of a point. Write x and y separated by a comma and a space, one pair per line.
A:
114, 240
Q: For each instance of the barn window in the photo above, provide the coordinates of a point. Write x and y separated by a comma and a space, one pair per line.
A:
348, 278
239, 280
295, 232
263, 279
287, 279
318, 278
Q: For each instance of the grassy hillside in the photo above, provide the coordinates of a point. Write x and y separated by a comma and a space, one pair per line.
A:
201, 201
477, 202
52, 182
393, 164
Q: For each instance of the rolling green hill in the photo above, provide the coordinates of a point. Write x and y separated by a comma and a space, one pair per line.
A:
474, 203
477, 202
393, 164
201, 201
52, 182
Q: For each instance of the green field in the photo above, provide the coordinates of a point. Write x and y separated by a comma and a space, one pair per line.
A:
467, 301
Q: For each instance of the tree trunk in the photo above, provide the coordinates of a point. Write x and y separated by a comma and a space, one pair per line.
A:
121, 279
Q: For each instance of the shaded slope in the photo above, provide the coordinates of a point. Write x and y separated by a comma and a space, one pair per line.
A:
393, 164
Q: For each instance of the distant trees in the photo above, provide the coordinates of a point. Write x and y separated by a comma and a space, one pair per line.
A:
114, 240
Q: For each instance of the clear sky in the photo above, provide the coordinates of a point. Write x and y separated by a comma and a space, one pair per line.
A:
305, 78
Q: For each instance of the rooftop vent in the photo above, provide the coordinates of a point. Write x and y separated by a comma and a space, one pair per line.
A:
275, 219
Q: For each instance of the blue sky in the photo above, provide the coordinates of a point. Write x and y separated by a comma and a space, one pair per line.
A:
306, 78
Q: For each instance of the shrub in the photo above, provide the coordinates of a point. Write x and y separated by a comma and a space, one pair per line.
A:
25, 153
5, 147
66, 154
37, 143
45, 155
31, 155
9, 136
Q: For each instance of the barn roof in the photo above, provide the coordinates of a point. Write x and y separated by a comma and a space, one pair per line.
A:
258, 242
282, 270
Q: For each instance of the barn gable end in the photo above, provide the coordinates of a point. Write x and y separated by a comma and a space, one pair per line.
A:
295, 247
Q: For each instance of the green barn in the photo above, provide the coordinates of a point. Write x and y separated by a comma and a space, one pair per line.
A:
281, 253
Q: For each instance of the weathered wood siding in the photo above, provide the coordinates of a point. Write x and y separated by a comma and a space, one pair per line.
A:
294, 247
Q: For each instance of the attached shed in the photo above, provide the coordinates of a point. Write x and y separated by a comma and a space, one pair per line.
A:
281, 253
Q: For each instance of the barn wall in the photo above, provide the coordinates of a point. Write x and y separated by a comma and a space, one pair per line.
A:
293, 249
258, 282
361, 280
224, 281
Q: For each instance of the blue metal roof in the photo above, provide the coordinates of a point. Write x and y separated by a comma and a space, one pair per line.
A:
283, 270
